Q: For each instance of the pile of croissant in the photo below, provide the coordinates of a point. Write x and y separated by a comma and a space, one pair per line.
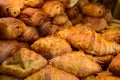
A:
58, 40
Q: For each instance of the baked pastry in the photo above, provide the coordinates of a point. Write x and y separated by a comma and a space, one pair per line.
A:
51, 73
76, 63
10, 28
51, 46
7, 48
23, 63
11, 8
33, 16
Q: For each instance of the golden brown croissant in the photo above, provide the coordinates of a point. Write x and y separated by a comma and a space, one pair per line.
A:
89, 41
51, 46
10, 28
60, 19
23, 63
112, 34
11, 7
33, 16
53, 8
7, 48
102, 60
94, 10
47, 28
29, 34
114, 66
34, 3
105, 77
51, 73
96, 24
76, 63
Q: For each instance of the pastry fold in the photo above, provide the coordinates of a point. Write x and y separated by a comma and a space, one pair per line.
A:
23, 63
76, 63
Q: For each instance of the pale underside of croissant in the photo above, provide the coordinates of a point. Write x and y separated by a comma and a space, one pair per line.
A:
10, 28
23, 63
51, 73
76, 63
51, 46
89, 41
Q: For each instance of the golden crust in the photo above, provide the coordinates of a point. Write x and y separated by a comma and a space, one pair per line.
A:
51, 73
34, 3
51, 46
114, 66
11, 7
112, 34
76, 63
29, 34
23, 63
53, 8
96, 24
10, 28
94, 10
105, 77
33, 16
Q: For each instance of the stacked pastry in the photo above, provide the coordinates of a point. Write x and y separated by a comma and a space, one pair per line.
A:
58, 40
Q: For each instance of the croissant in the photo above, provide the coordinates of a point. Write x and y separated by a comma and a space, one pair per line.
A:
23, 63
104, 77
60, 19
7, 48
112, 34
76, 63
34, 3
11, 7
114, 66
94, 10
53, 8
51, 73
29, 34
90, 41
10, 28
96, 24
47, 28
102, 60
33, 16
51, 46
